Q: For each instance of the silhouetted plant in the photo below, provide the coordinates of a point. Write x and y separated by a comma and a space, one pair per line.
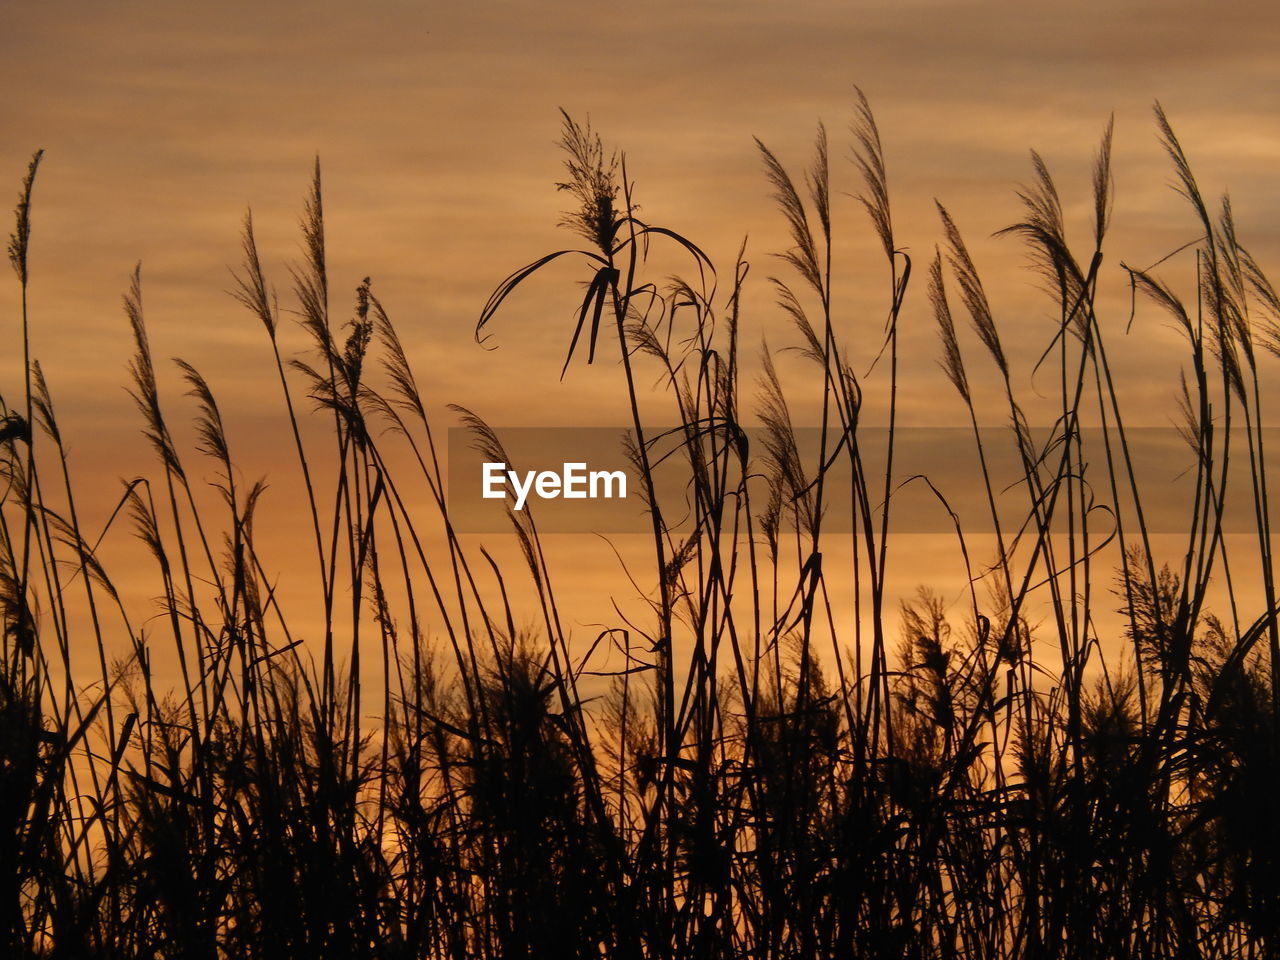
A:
765, 775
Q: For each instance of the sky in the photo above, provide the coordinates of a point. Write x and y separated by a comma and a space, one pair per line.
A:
436, 125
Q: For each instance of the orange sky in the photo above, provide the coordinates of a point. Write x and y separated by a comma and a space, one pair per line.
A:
436, 126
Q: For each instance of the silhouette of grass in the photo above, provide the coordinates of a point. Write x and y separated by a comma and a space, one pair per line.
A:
764, 775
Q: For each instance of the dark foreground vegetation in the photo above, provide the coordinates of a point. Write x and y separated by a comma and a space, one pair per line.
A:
770, 763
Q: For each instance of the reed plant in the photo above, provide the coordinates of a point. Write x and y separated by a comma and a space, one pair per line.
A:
775, 760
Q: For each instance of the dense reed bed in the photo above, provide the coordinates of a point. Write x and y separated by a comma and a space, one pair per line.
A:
781, 764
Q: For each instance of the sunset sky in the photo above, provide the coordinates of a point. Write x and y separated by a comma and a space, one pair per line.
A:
436, 126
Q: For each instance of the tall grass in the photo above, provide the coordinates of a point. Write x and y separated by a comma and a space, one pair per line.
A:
782, 765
